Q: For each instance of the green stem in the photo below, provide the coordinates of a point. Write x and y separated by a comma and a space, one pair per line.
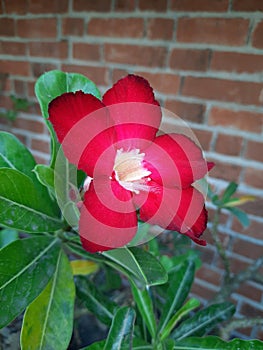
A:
225, 332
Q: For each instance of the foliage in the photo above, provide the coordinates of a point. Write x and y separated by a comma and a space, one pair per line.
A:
44, 270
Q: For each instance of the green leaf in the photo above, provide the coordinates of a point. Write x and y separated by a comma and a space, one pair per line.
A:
45, 176
184, 310
204, 321
229, 191
138, 265
180, 282
48, 321
240, 215
145, 306
102, 307
7, 236
22, 207
98, 345
53, 84
212, 343
121, 330
14, 155
26, 266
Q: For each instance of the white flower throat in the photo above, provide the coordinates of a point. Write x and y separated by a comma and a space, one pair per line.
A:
130, 172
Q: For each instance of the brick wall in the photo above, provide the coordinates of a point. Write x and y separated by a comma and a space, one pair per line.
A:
204, 59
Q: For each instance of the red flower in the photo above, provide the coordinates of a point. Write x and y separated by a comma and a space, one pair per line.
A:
128, 167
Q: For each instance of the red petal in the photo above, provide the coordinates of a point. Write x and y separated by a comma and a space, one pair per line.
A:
85, 130
132, 88
136, 113
175, 209
175, 160
108, 219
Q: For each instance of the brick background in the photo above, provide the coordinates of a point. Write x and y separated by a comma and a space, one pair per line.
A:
204, 60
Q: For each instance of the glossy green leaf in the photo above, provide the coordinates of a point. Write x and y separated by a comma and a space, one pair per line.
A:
98, 345
229, 191
45, 176
204, 321
145, 306
26, 266
21, 205
14, 155
138, 265
101, 306
48, 321
180, 282
213, 343
121, 330
190, 305
240, 215
54, 83
7, 236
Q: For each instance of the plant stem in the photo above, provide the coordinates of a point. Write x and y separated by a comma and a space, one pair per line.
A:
239, 323
220, 249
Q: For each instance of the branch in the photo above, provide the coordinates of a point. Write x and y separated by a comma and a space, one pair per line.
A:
225, 332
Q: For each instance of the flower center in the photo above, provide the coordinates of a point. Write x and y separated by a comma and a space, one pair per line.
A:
130, 172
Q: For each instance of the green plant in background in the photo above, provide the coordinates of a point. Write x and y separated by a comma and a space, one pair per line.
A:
140, 294
18, 105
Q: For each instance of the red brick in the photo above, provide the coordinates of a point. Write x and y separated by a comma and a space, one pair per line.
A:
160, 28
204, 137
254, 177
192, 112
243, 120
38, 68
220, 31
200, 5
254, 150
250, 311
209, 274
226, 171
40, 160
247, 249
116, 27
37, 28
30, 125
73, 26
14, 67
20, 87
6, 103
50, 6
97, 74
153, 5
1, 8
189, 59
254, 230
124, 5
247, 93
18, 7
254, 208
228, 144
87, 52
250, 291
91, 5
49, 49
257, 38
162, 82
118, 74
7, 27
40, 145
247, 5
13, 48
202, 291
236, 62
5, 82
147, 56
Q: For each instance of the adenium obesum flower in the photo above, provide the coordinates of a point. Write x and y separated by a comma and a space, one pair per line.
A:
130, 168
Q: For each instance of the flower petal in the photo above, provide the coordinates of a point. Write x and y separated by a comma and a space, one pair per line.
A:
108, 218
136, 113
174, 209
85, 130
131, 88
175, 160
